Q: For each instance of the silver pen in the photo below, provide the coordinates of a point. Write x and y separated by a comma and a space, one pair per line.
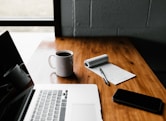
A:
104, 77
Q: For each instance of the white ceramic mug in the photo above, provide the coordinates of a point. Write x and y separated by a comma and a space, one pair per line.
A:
63, 62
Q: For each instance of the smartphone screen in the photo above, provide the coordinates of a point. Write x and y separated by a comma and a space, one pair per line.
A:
137, 100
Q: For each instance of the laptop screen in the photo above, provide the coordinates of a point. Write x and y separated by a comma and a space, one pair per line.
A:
8, 52
13, 92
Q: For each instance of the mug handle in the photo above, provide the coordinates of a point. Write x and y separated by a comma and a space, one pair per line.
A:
49, 61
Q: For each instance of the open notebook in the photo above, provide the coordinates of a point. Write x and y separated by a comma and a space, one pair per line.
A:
53, 102
113, 73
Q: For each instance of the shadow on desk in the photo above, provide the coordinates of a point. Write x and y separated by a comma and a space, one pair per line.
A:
152, 52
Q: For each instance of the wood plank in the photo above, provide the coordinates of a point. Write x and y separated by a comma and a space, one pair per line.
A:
122, 53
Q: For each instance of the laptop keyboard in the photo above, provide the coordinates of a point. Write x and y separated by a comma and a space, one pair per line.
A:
50, 106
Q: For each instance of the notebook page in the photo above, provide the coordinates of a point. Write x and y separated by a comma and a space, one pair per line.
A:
114, 73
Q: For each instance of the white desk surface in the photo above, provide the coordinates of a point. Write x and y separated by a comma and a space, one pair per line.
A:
27, 44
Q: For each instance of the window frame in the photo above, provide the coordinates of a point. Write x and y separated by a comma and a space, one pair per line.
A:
29, 22
26, 22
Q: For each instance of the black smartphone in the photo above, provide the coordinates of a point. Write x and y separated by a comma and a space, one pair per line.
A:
137, 100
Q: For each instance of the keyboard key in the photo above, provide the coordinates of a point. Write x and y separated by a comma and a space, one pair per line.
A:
50, 105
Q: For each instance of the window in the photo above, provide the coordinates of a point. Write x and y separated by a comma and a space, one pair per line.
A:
29, 15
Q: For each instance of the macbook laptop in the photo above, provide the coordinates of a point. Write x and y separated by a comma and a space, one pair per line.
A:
45, 102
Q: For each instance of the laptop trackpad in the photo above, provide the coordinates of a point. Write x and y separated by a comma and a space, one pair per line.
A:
84, 112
